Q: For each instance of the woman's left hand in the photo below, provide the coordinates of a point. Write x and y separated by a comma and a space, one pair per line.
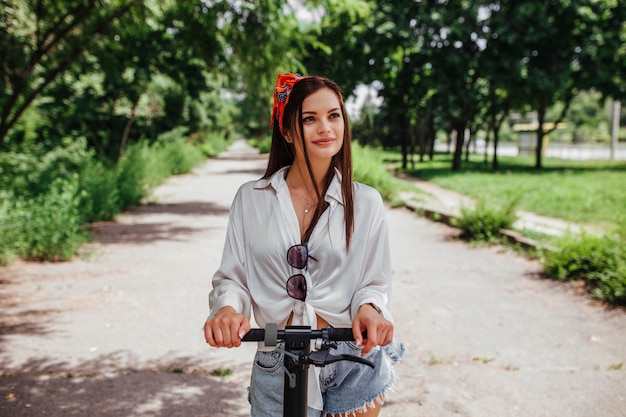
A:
379, 330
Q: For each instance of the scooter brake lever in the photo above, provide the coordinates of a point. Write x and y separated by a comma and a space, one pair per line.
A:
323, 357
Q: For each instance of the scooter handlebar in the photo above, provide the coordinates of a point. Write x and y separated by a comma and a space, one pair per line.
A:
333, 334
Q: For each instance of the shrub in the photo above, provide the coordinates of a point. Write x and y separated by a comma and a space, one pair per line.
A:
99, 196
132, 174
7, 230
483, 222
48, 199
30, 174
262, 145
48, 227
598, 260
178, 157
213, 144
368, 169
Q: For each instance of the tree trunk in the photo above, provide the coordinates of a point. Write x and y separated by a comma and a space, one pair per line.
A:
458, 148
615, 128
129, 123
541, 114
398, 117
468, 143
421, 132
487, 141
431, 136
494, 161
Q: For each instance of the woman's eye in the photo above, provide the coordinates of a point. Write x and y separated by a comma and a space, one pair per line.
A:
334, 115
307, 119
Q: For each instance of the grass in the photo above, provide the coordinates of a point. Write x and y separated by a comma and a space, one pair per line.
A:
578, 191
369, 169
583, 192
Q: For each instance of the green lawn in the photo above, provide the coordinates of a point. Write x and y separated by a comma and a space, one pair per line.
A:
579, 191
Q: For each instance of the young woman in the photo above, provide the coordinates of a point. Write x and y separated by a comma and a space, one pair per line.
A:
308, 246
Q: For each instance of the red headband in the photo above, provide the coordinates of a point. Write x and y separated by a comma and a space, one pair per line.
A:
284, 85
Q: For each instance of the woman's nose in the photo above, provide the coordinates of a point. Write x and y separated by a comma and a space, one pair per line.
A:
324, 126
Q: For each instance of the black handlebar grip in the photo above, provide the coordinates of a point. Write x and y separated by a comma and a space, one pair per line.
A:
340, 334
254, 335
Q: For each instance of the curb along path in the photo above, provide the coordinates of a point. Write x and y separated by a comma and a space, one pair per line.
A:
440, 202
117, 332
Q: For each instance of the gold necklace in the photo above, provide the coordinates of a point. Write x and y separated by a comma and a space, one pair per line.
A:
306, 202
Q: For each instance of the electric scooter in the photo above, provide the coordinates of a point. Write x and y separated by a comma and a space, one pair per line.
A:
298, 357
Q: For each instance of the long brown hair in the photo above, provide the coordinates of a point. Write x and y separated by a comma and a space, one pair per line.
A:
282, 153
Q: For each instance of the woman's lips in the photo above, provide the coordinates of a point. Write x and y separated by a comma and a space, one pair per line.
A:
324, 141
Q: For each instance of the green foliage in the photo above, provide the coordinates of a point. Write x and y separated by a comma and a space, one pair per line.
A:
48, 199
132, 172
222, 372
213, 144
143, 167
369, 169
574, 190
263, 145
598, 260
99, 195
176, 154
588, 119
28, 174
48, 226
180, 157
8, 235
483, 222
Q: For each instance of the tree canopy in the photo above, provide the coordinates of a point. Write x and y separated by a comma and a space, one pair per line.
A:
117, 71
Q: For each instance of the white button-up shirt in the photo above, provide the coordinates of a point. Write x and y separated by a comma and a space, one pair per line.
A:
263, 226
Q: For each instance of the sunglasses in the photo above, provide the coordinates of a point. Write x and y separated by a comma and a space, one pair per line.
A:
297, 257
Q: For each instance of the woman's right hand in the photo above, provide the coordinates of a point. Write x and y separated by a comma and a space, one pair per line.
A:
226, 328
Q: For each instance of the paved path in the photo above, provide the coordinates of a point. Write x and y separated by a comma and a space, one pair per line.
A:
117, 332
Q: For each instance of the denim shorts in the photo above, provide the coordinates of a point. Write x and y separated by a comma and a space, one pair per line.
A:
346, 386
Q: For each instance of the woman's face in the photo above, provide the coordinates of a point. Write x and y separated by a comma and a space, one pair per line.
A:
323, 126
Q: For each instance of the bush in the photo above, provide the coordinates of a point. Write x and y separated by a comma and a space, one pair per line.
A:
213, 144
144, 167
99, 196
178, 157
30, 174
263, 145
598, 260
369, 169
483, 222
48, 199
7, 230
48, 227
132, 175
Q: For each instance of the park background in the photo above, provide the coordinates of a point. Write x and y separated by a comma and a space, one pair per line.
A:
101, 101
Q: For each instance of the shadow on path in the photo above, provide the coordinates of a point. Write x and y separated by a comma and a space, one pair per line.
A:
136, 228
156, 390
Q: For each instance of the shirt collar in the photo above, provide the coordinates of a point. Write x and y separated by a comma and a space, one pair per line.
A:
277, 182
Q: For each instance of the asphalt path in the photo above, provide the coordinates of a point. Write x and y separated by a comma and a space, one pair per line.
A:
117, 331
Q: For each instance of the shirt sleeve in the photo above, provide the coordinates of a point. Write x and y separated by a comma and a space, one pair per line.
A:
230, 287
376, 280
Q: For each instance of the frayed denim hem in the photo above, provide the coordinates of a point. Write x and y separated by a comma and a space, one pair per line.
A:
394, 352
379, 399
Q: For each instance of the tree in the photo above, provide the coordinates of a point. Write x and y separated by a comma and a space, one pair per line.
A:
41, 41
551, 46
501, 68
454, 54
